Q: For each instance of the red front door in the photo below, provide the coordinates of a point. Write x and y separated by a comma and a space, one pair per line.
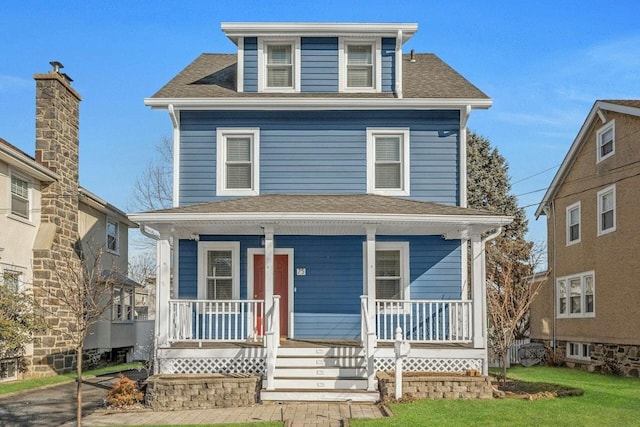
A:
280, 286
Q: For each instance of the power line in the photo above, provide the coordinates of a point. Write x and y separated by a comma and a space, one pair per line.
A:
536, 174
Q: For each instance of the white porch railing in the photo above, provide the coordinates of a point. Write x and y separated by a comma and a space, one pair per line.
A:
216, 320
272, 342
368, 342
427, 321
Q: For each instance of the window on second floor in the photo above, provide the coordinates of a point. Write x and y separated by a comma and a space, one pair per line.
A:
605, 141
113, 244
237, 162
607, 210
19, 197
360, 65
279, 65
573, 224
388, 161
576, 295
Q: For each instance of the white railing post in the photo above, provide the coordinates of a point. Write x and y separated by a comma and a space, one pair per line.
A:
401, 349
369, 342
273, 341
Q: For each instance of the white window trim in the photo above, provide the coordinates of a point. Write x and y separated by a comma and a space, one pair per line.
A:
221, 155
376, 44
263, 42
371, 161
568, 223
611, 189
611, 125
29, 219
580, 356
582, 314
405, 265
106, 231
203, 248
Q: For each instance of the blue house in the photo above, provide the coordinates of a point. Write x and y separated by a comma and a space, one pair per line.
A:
319, 209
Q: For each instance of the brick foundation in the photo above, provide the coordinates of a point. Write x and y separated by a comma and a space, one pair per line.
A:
436, 387
195, 391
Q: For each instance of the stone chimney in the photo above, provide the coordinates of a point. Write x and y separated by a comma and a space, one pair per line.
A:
57, 125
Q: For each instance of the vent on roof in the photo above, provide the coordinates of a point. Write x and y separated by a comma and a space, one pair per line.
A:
412, 58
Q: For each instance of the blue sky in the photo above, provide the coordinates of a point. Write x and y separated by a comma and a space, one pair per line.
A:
544, 63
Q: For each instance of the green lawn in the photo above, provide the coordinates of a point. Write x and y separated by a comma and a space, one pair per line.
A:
63, 378
607, 401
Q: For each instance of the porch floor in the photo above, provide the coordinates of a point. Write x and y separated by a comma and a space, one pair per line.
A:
308, 343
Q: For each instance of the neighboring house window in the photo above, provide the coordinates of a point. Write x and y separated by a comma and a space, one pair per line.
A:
8, 370
573, 224
576, 295
219, 266
122, 304
112, 235
360, 68
607, 210
392, 270
238, 162
19, 197
605, 139
576, 350
11, 279
388, 161
279, 63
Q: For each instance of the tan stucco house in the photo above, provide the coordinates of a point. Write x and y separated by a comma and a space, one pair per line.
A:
588, 309
44, 214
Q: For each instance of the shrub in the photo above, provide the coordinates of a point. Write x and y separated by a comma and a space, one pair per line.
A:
124, 393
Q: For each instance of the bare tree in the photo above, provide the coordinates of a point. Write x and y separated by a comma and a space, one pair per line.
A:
511, 288
153, 188
85, 290
142, 269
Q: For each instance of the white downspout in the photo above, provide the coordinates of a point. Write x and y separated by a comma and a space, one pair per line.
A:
175, 121
399, 64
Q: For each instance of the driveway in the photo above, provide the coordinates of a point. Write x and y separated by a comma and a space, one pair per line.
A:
54, 406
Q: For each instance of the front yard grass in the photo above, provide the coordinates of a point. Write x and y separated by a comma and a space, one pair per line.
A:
607, 400
16, 386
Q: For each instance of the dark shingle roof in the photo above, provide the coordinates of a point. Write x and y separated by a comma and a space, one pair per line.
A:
213, 75
329, 204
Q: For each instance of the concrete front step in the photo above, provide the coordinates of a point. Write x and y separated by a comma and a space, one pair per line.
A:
320, 372
319, 396
320, 383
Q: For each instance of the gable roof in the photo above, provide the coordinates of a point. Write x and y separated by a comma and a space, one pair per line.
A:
213, 75
20, 160
622, 106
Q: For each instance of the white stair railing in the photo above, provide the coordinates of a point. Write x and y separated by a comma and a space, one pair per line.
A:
272, 342
368, 342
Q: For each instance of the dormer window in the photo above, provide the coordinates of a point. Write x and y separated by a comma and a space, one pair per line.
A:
605, 139
360, 65
279, 63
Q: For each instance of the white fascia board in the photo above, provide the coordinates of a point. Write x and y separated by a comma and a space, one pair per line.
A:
26, 165
312, 103
234, 30
169, 218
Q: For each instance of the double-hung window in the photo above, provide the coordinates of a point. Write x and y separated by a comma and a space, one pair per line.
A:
607, 210
19, 197
360, 65
279, 64
237, 162
605, 141
392, 270
388, 161
573, 224
219, 264
576, 295
112, 236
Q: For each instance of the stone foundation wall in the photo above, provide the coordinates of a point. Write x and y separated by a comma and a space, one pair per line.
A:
436, 387
195, 391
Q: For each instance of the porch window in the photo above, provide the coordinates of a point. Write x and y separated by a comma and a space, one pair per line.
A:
576, 295
19, 197
605, 141
388, 161
573, 224
237, 162
607, 210
392, 270
220, 270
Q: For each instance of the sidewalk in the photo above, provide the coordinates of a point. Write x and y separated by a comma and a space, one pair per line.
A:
294, 414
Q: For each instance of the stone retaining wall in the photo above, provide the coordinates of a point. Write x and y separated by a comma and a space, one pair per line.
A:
436, 387
196, 391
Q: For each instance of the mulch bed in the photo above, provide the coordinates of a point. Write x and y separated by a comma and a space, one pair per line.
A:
514, 389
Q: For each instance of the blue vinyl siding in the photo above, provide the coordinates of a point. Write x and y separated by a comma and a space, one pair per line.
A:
321, 152
319, 64
388, 64
250, 64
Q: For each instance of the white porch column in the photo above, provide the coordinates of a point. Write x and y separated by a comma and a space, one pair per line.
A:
478, 292
163, 289
268, 275
371, 274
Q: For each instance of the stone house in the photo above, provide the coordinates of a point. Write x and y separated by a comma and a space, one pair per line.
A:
588, 309
45, 217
